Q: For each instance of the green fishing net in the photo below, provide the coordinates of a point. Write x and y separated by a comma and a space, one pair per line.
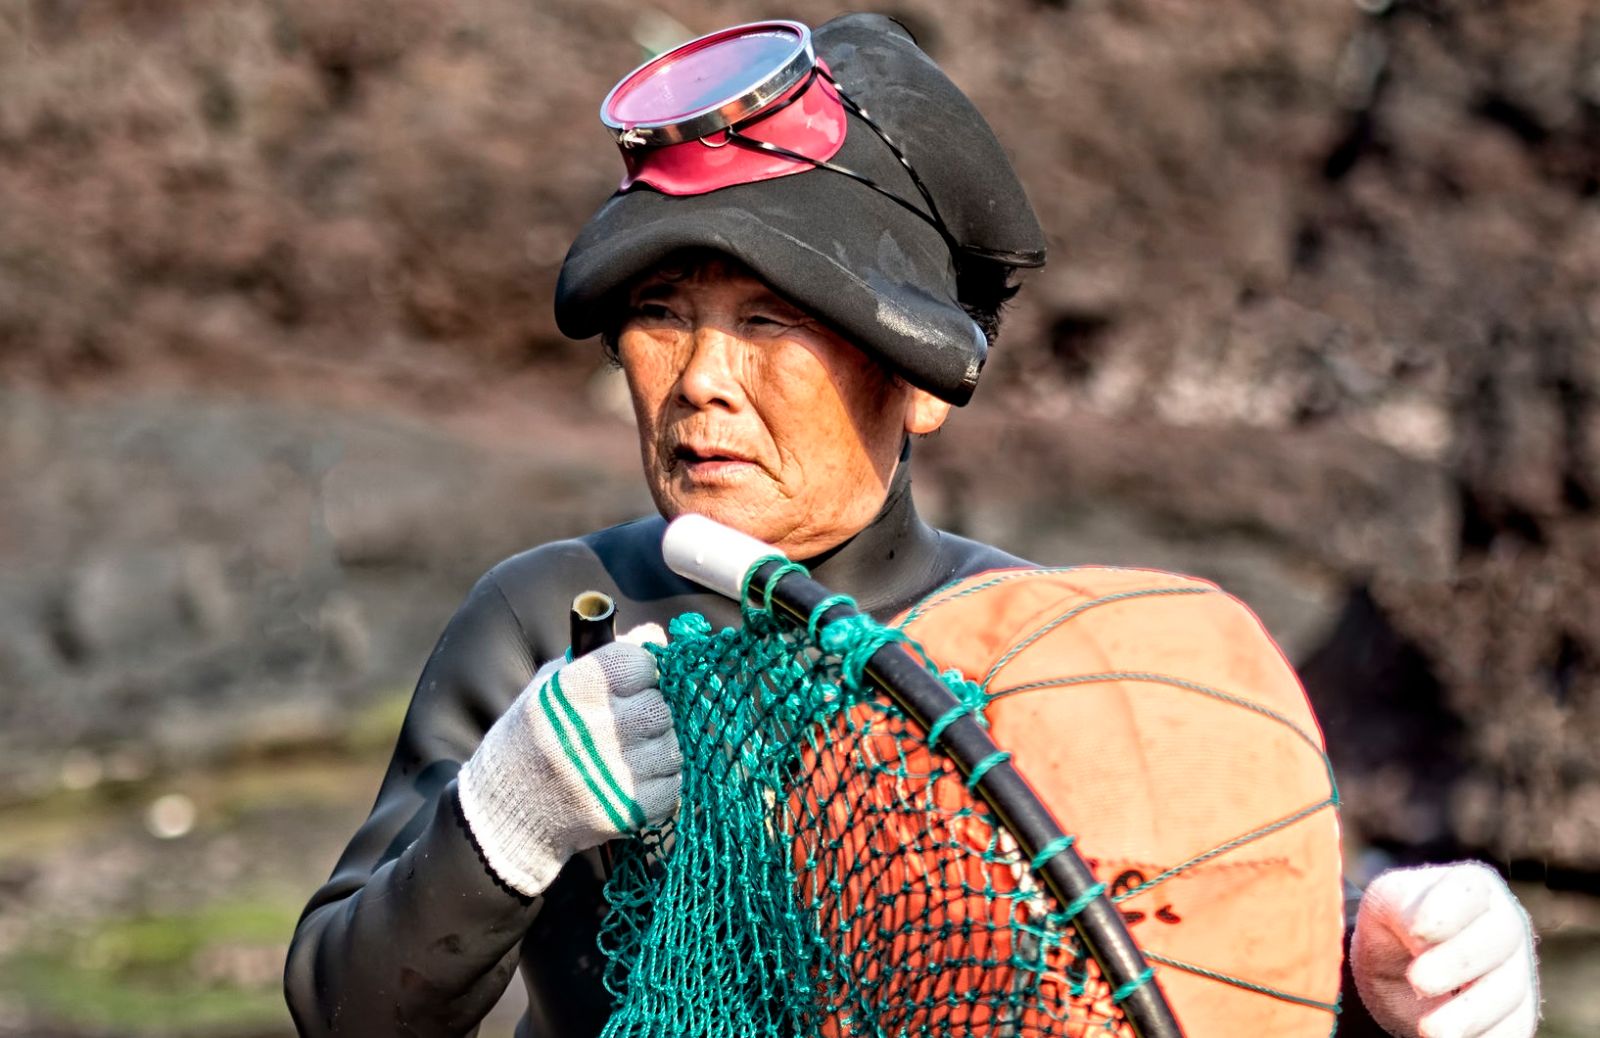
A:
828, 873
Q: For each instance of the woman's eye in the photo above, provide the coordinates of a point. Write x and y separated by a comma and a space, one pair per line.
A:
653, 311
766, 321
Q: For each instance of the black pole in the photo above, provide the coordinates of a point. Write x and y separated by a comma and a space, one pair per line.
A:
925, 699
594, 622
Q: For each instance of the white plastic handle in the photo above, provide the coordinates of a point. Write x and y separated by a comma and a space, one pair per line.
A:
712, 554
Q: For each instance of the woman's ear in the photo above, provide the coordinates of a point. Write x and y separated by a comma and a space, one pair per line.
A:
925, 413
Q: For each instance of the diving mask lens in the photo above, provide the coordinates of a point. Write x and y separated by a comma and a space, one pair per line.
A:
708, 84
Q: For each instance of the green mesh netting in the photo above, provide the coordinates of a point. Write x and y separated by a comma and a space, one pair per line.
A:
827, 873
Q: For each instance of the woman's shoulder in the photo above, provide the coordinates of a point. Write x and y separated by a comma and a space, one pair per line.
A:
965, 557
633, 545
623, 561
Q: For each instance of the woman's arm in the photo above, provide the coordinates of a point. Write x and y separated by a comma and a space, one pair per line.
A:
413, 933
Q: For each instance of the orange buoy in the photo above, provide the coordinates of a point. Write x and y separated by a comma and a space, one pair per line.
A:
1169, 734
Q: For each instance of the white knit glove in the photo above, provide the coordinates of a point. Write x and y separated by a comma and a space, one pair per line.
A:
585, 754
1445, 951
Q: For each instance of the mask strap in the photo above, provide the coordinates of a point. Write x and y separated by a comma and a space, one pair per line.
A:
932, 216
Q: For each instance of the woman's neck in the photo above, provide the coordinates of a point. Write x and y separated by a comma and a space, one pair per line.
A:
890, 555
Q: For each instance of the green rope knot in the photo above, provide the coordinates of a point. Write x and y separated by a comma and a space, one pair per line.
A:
689, 625
822, 607
748, 608
854, 640
982, 767
1126, 991
971, 699
1082, 901
1060, 845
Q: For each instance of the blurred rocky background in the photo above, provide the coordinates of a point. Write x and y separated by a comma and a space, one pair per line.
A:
278, 379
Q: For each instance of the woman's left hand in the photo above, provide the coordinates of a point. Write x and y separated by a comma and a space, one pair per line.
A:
1446, 951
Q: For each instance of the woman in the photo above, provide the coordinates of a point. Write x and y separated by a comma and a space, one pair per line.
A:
787, 320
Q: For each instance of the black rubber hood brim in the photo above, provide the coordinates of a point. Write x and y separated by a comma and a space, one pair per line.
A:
835, 248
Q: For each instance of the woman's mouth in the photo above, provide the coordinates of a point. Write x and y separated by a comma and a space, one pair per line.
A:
710, 464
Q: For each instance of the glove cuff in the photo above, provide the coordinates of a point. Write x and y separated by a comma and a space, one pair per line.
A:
498, 811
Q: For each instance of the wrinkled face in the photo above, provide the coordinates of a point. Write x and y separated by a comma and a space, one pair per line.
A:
755, 414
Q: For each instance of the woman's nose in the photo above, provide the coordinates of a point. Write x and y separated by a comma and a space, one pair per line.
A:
710, 378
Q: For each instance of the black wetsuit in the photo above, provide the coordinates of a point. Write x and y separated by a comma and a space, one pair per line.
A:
412, 934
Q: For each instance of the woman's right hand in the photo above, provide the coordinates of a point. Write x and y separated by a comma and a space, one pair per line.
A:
585, 754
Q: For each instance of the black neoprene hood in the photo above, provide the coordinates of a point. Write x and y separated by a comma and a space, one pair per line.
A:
882, 276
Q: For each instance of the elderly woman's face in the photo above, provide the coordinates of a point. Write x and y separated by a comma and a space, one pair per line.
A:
757, 415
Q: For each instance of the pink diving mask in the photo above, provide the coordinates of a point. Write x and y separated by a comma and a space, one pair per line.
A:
733, 107
738, 106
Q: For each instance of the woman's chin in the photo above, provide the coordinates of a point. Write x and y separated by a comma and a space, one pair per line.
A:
720, 505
